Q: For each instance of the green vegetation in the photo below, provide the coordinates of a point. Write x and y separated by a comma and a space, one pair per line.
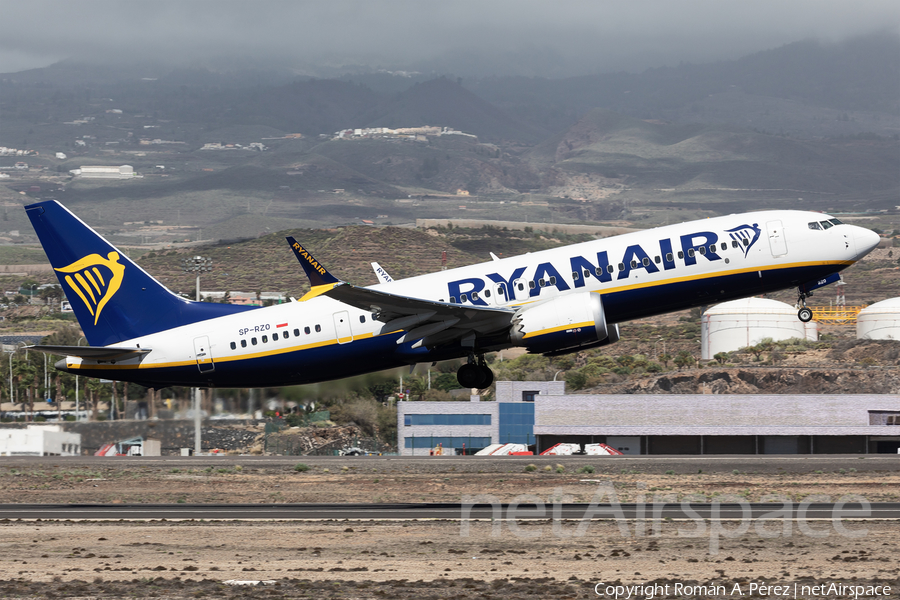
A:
301, 467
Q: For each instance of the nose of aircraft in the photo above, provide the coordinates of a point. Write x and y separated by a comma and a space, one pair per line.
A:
865, 241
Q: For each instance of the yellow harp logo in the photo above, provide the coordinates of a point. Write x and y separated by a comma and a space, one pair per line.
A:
95, 279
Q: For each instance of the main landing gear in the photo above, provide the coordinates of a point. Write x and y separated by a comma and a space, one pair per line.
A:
475, 373
805, 313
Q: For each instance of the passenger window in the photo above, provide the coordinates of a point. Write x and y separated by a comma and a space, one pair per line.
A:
243, 343
474, 296
621, 266
233, 346
610, 268
634, 264
284, 334
501, 291
680, 254
274, 337
553, 280
531, 285
306, 330
734, 244
645, 261
452, 299
541, 282
318, 329
265, 339
724, 246
746, 242
362, 318
701, 249
656, 259
522, 286
297, 333
463, 297
575, 276
691, 252
712, 248
253, 341
669, 257
487, 293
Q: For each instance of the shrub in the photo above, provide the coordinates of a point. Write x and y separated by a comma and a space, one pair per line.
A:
530, 468
586, 469
301, 467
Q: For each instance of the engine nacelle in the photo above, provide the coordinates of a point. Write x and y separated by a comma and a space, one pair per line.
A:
569, 322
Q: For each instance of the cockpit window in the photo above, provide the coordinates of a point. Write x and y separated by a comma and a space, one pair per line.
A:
836, 221
815, 225
827, 224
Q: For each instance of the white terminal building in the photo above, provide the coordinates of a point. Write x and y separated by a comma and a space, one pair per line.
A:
741, 323
101, 172
39, 440
540, 414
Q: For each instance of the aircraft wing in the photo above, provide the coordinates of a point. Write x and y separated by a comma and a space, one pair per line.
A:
426, 322
92, 352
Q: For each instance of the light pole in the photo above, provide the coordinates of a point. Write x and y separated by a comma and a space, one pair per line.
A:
76, 385
197, 264
11, 352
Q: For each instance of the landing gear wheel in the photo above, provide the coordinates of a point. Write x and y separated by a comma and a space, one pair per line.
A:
475, 375
487, 375
470, 376
805, 314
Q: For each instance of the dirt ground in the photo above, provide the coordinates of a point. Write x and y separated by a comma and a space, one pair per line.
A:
236, 479
438, 559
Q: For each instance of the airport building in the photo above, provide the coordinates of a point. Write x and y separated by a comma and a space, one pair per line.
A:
541, 414
473, 425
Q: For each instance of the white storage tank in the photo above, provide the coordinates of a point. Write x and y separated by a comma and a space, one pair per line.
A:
740, 323
880, 321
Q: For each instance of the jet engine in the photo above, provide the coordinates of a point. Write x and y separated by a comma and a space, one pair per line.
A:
567, 324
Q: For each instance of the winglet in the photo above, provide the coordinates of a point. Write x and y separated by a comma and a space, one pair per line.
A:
320, 280
381, 274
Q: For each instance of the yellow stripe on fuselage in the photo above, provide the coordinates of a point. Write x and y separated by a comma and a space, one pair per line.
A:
215, 359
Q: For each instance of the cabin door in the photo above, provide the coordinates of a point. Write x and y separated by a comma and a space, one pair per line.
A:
777, 243
342, 327
204, 356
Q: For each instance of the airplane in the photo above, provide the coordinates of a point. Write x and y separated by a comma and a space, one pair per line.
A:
550, 302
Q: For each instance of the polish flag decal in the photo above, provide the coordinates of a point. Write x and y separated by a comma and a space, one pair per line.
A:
280, 325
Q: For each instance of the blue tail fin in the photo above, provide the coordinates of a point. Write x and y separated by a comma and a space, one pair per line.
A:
113, 298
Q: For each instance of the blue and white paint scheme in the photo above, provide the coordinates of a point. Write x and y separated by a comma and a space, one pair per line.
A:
551, 302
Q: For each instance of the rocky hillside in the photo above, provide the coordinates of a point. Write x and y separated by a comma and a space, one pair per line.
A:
761, 380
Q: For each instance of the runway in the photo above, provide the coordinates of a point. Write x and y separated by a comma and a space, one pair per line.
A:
308, 512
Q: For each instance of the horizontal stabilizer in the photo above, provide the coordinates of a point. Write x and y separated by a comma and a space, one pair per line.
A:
92, 352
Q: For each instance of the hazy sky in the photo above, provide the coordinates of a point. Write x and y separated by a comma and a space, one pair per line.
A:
468, 37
